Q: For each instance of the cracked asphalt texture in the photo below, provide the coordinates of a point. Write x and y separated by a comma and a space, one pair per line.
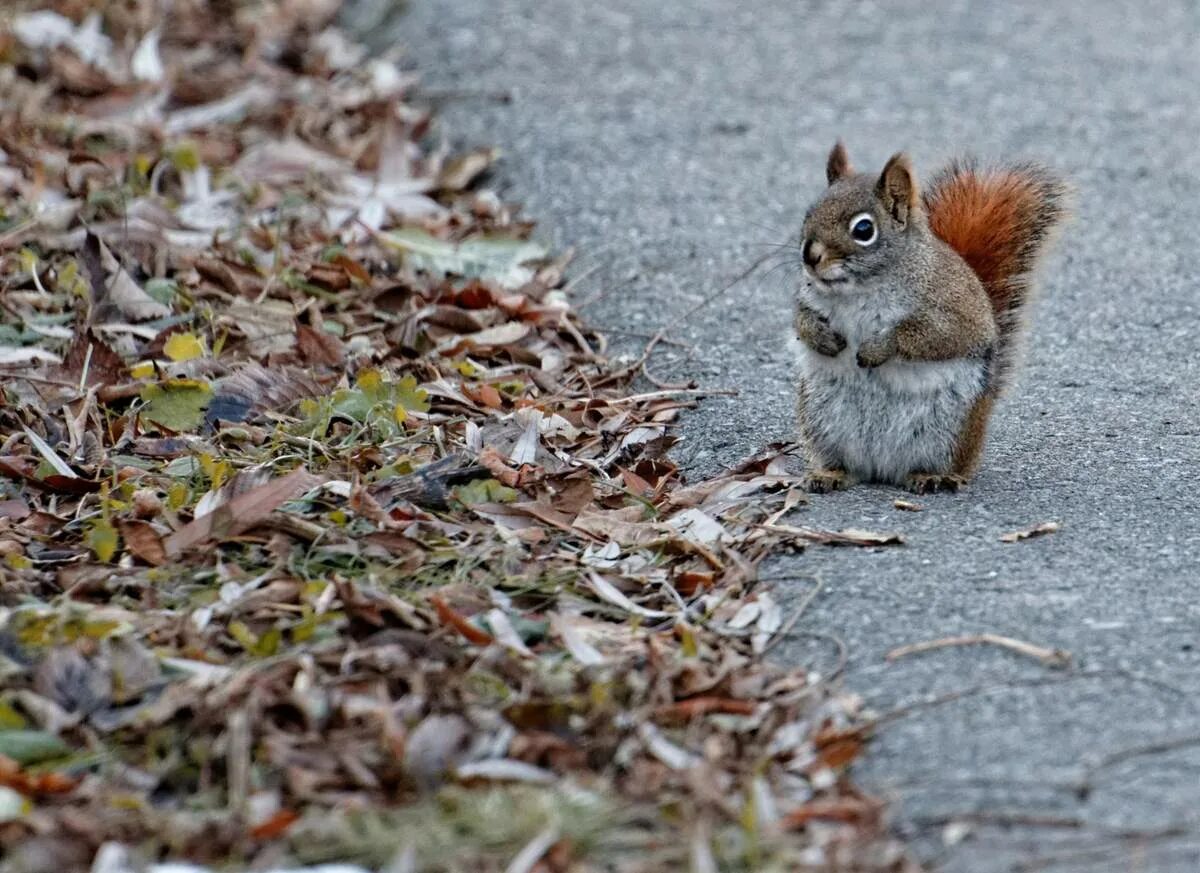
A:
675, 144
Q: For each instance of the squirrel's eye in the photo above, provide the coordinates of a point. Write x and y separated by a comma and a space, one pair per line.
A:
862, 229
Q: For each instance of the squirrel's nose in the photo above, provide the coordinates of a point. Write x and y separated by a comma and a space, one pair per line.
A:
813, 251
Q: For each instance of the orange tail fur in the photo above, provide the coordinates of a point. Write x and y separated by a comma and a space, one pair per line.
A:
1000, 220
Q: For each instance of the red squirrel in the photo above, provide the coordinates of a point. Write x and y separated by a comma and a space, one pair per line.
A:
912, 314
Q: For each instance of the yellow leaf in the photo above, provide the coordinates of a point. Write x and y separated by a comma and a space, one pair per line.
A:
102, 539
184, 347
185, 156
177, 496
216, 470
400, 413
143, 370
18, 562
369, 379
69, 280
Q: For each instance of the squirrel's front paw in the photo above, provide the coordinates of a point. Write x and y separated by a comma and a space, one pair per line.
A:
829, 342
931, 483
874, 353
821, 338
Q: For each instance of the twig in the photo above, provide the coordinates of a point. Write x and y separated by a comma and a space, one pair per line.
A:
847, 537
1004, 819
1172, 745
843, 655
15, 234
784, 631
670, 326
642, 335
977, 690
1038, 530
663, 395
1057, 658
1104, 855
442, 95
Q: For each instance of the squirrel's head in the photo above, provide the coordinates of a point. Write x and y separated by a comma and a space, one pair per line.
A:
860, 225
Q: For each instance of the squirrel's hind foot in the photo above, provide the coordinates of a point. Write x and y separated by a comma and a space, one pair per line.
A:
825, 481
932, 483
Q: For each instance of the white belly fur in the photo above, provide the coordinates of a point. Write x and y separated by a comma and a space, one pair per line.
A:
883, 424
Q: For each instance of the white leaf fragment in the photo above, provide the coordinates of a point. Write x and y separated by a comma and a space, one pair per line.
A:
505, 770
581, 650
674, 756
52, 458
525, 450
49, 30
533, 851
697, 526
606, 590
146, 64
505, 633
26, 355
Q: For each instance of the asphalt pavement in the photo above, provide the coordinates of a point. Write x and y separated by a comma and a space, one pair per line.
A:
676, 144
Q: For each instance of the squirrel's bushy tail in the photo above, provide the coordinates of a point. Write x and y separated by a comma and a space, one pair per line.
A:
1000, 221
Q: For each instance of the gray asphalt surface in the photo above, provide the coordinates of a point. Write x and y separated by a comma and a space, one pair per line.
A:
672, 141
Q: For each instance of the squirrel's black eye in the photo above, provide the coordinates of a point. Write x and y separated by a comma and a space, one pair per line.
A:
862, 229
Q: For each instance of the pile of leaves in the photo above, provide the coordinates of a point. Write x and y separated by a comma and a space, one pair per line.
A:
327, 530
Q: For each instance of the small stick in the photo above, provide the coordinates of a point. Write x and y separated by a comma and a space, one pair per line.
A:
664, 395
1038, 530
1057, 658
782, 634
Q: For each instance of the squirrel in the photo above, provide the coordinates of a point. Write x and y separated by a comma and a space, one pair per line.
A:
912, 314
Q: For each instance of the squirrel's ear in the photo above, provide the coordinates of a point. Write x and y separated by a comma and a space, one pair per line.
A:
838, 164
897, 188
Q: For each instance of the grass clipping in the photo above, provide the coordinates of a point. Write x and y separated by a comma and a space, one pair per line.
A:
328, 531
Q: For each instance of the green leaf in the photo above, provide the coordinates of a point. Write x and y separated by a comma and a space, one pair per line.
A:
245, 637
260, 646
378, 402
182, 468
162, 290
501, 259
177, 405
408, 394
185, 156
484, 491
32, 747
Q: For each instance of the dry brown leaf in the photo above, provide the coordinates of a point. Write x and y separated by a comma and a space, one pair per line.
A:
319, 347
1046, 527
461, 171
241, 512
231, 276
115, 294
143, 541
849, 810
253, 390
695, 707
